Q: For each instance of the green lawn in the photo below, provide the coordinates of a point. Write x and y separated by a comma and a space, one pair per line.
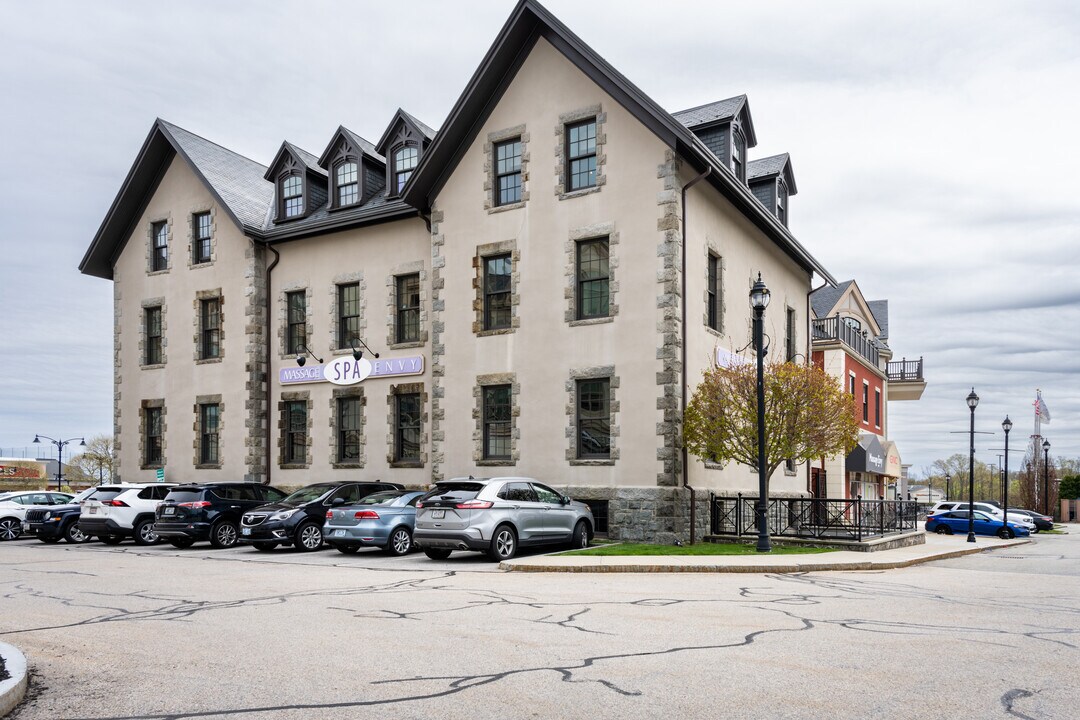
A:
698, 549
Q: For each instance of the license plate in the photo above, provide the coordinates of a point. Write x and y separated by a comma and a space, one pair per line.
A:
339, 533
26, 527
245, 531
93, 511
168, 511
438, 514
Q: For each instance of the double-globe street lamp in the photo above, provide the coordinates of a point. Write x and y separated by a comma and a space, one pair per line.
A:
1046, 477
759, 300
1006, 425
59, 455
972, 401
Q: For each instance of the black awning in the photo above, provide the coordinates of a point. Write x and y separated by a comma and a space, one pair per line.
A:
868, 456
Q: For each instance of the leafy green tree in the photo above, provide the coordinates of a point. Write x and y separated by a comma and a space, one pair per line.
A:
807, 415
1070, 487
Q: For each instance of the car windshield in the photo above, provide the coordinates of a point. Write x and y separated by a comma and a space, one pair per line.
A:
386, 497
308, 494
5, 496
455, 491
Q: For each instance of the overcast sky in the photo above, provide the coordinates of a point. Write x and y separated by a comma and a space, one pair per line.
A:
934, 146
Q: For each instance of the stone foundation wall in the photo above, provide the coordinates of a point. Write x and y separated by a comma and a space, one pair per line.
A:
649, 514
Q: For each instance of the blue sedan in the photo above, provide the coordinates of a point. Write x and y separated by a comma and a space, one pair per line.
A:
383, 519
956, 521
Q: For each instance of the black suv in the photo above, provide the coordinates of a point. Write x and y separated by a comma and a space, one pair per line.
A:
298, 519
59, 522
209, 511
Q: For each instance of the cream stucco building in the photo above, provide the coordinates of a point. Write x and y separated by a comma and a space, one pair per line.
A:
543, 279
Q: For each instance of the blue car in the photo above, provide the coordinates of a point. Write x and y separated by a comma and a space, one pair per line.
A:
383, 519
956, 521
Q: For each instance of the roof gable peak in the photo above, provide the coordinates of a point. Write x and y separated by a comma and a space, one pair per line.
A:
356, 146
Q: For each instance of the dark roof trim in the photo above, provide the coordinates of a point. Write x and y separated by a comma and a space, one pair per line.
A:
301, 156
366, 148
130, 202
418, 127
337, 222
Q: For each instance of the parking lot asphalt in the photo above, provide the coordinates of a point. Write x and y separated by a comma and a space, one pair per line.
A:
132, 632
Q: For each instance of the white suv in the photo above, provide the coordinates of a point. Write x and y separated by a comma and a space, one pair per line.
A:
992, 510
115, 512
13, 507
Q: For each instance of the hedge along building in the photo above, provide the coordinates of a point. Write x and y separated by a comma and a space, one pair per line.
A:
525, 263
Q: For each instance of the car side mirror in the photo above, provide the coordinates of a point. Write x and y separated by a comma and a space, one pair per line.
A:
336, 502
565, 499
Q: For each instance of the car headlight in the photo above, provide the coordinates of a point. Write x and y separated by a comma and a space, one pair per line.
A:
284, 514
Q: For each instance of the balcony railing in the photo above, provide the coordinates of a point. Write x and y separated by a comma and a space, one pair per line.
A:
835, 328
905, 370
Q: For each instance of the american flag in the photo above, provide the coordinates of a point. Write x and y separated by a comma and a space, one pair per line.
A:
1041, 410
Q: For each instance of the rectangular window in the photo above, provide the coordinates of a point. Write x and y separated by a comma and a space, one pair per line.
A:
497, 292
292, 194
581, 155
407, 427
296, 329
210, 315
348, 430
877, 407
348, 314
865, 402
496, 413
160, 258
789, 341
152, 420
153, 336
295, 427
600, 514
200, 238
592, 279
593, 418
508, 172
209, 416
408, 308
713, 290
851, 377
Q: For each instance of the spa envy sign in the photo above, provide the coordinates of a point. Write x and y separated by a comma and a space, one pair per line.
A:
347, 371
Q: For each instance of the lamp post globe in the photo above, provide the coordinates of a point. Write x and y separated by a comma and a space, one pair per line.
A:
972, 402
759, 300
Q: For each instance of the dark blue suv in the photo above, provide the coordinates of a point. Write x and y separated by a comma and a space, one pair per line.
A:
209, 511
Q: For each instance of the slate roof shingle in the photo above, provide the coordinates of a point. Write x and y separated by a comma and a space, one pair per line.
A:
823, 299
711, 112
764, 167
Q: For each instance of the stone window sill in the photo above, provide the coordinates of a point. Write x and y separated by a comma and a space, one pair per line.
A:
157, 272
151, 467
598, 462
408, 345
294, 466
570, 195
209, 361
504, 208
495, 331
208, 466
196, 266
714, 331
347, 465
155, 366
406, 464
592, 321
713, 465
496, 462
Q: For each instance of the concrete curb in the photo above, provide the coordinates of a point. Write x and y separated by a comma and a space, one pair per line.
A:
716, 564
12, 690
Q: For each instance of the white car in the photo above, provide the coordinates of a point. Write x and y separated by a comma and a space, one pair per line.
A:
992, 510
115, 512
13, 507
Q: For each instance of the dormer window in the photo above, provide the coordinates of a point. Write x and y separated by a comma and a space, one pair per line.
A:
405, 159
781, 202
346, 179
292, 196
738, 155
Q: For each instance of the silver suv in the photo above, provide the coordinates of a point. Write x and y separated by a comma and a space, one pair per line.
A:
496, 515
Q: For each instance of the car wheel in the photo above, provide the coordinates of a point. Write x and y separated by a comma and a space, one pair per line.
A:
49, 540
1006, 533
308, 537
144, 534
437, 553
111, 539
73, 534
181, 542
347, 549
581, 536
503, 544
265, 546
400, 542
10, 529
224, 534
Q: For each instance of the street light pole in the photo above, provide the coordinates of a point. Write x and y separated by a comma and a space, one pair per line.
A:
1046, 477
60, 444
972, 401
759, 300
1006, 425
948, 478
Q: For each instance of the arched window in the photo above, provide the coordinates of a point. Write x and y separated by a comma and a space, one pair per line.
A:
404, 163
738, 155
347, 182
292, 196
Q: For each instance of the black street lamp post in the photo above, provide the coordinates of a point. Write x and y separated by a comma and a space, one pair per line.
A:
59, 455
1006, 425
948, 478
1046, 477
972, 401
759, 300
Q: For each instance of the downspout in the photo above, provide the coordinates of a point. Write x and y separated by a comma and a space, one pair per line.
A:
682, 382
269, 384
809, 359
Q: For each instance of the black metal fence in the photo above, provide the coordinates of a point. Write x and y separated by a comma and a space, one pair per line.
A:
815, 518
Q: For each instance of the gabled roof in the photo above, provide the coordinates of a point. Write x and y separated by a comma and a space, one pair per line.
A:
718, 112
823, 300
309, 161
401, 116
880, 308
235, 181
528, 22
771, 167
365, 147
